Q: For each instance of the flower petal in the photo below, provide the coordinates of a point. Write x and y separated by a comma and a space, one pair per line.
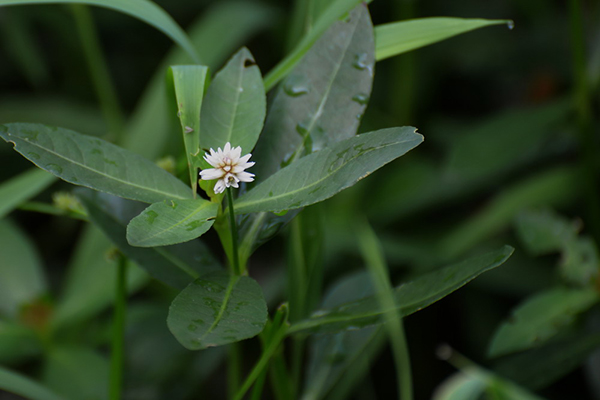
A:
220, 186
245, 176
211, 173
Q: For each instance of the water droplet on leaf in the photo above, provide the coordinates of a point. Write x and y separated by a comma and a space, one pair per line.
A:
151, 216
361, 99
54, 168
34, 156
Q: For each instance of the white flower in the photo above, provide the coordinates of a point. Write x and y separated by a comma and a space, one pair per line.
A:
228, 167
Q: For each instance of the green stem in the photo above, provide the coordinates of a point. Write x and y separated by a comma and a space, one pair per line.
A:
234, 369
262, 362
584, 120
118, 334
235, 258
45, 208
105, 89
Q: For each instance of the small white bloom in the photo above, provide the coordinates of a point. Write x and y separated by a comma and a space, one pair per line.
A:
228, 168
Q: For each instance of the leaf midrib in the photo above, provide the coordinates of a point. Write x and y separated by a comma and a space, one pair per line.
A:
232, 282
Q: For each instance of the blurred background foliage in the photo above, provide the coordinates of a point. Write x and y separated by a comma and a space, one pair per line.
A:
510, 156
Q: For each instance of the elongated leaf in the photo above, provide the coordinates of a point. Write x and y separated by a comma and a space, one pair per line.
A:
217, 309
460, 386
235, 106
92, 162
17, 343
144, 10
539, 367
400, 37
175, 265
23, 279
23, 187
190, 84
24, 386
333, 13
409, 297
172, 222
76, 373
544, 231
322, 100
540, 318
221, 29
320, 175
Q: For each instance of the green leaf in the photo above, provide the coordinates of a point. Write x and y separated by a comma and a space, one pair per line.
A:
460, 386
23, 279
321, 175
92, 162
217, 309
22, 187
328, 17
544, 231
171, 222
190, 83
23, 386
235, 105
144, 10
400, 37
175, 265
76, 373
322, 100
17, 343
540, 318
221, 29
539, 367
409, 297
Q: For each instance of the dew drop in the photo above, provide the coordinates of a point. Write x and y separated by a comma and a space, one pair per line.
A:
193, 225
192, 327
360, 61
179, 114
34, 156
295, 86
319, 313
29, 134
211, 286
198, 321
240, 89
54, 168
188, 129
361, 99
510, 25
151, 216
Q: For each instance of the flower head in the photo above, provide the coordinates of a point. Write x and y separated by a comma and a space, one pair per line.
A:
228, 168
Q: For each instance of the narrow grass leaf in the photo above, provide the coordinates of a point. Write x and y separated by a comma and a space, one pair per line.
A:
217, 309
23, 279
144, 10
235, 105
23, 187
321, 175
190, 83
171, 222
94, 163
540, 318
21, 385
400, 37
409, 297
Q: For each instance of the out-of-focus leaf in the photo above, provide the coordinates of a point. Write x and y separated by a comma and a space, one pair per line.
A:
540, 318
235, 105
23, 187
409, 297
21, 385
544, 231
172, 222
400, 37
328, 17
90, 281
338, 357
17, 343
321, 175
76, 373
217, 309
555, 186
23, 279
539, 367
225, 26
176, 265
190, 83
322, 100
95, 163
144, 10
580, 263
460, 386
54, 111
